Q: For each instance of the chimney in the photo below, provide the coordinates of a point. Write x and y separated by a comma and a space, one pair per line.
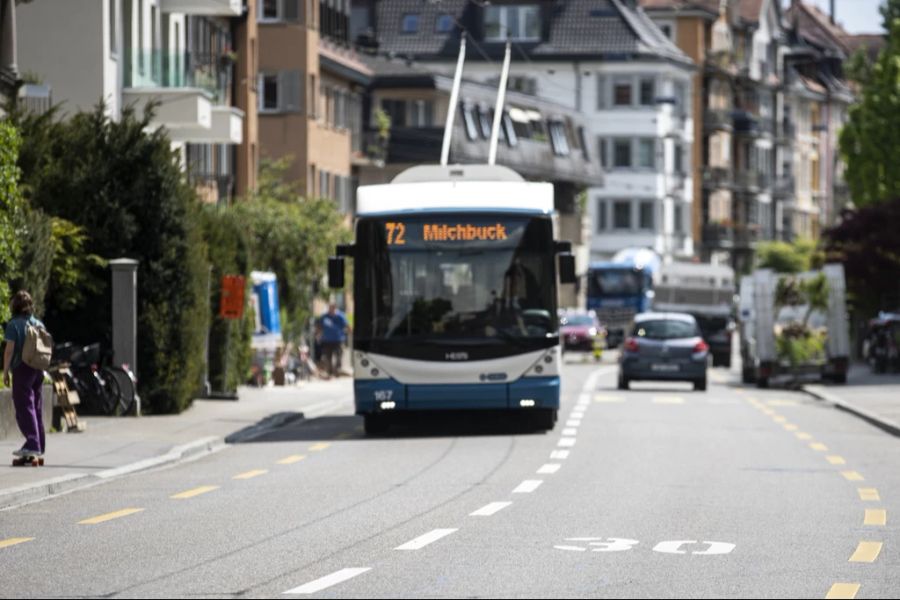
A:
832, 12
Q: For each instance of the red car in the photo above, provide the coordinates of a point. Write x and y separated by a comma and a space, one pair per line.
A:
582, 332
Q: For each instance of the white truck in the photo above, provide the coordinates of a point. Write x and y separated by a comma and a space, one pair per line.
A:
705, 291
761, 319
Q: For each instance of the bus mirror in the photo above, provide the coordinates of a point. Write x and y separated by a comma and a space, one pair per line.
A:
567, 268
335, 272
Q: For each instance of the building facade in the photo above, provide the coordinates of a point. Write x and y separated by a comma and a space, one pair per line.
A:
176, 55
311, 90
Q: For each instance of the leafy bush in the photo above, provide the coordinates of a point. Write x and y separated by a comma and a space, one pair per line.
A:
795, 342
798, 345
10, 208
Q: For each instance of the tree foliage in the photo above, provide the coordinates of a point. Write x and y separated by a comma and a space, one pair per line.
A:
124, 190
10, 209
869, 142
783, 257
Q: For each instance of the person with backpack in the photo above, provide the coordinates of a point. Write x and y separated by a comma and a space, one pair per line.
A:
27, 341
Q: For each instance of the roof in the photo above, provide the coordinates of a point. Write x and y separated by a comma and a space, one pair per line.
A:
600, 29
816, 27
872, 43
747, 10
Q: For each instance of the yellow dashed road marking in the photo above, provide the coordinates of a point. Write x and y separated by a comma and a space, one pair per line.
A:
843, 590
110, 516
866, 552
13, 542
769, 411
291, 459
251, 474
194, 492
782, 403
868, 494
852, 476
319, 447
875, 516
790, 427
836, 460
779, 419
819, 447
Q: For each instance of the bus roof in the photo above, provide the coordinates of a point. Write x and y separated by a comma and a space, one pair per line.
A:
458, 187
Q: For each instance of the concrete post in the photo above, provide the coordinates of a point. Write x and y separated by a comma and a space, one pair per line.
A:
124, 311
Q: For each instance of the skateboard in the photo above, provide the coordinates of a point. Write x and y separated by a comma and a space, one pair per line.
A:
28, 461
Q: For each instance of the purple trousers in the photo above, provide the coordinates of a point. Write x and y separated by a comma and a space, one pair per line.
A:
29, 402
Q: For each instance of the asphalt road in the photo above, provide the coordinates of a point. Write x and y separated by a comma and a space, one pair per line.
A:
656, 492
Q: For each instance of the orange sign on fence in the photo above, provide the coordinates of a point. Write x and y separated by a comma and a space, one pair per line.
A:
231, 305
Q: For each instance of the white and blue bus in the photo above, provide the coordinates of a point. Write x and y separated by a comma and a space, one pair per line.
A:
455, 282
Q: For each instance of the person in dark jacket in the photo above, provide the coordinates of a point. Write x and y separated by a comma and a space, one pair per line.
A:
26, 381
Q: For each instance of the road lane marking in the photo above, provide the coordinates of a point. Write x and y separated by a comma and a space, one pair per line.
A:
782, 403
852, 476
566, 442
835, 459
866, 552
571, 431
13, 541
319, 447
423, 540
528, 486
490, 509
548, 469
576, 414
110, 516
291, 459
843, 590
819, 447
203, 489
875, 516
790, 427
559, 455
571, 548
251, 474
573, 423
779, 419
668, 400
718, 377
769, 411
868, 494
606, 398
329, 580
802, 435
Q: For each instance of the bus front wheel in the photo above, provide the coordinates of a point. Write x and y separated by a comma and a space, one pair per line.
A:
376, 424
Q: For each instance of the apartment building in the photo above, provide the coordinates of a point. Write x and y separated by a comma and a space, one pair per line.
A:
311, 90
179, 55
9, 69
603, 59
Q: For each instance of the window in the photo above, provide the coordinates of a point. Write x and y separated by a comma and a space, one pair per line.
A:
515, 22
114, 26
471, 126
268, 92
646, 220
602, 151
582, 139
510, 131
667, 30
443, 24
646, 153
601, 216
679, 219
484, 120
622, 214
648, 91
155, 58
140, 36
410, 23
268, 10
622, 92
421, 113
679, 158
681, 97
558, 138
622, 153
602, 98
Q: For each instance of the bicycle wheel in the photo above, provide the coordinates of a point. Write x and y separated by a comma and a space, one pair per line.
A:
127, 390
109, 393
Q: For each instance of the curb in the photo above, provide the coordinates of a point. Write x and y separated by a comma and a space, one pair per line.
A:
820, 393
49, 488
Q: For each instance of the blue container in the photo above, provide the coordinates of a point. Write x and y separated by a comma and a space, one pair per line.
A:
265, 286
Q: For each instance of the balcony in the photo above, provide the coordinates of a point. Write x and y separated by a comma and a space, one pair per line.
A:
746, 123
716, 178
785, 131
214, 8
183, 111
717, 119
211, 73
747, 181
746, 236
718, 235
784, 186
34, 99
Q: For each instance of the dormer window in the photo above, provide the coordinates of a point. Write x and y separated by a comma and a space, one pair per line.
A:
410, 23
444, 24
516, 22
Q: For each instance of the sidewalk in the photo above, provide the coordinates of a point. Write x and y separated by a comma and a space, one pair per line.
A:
875, 398
112, 447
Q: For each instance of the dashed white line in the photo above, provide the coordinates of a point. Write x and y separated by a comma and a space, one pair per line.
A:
576, 415
528, 486
559, 454
570, 431
549, 469
566, 442
490, 509
329, 580
573, 423
423, 540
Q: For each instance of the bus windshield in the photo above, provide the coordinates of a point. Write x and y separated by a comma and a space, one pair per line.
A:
484, 283
615, 282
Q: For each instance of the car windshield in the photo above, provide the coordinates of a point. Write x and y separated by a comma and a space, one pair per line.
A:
664, 329
577, 320
711, 325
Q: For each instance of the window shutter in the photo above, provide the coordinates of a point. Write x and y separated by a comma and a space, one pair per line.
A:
290, 84
291, 10
602, 92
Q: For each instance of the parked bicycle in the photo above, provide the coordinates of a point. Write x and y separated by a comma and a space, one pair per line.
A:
103, 389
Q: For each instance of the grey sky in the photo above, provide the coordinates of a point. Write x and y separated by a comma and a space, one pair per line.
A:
856, 16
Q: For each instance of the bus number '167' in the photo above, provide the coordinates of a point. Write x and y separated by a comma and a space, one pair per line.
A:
383, 395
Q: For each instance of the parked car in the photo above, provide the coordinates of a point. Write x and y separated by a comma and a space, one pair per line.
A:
581, 331
664, 347
717, 330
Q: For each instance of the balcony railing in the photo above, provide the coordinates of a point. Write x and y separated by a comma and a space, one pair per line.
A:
716, 118
746, 236
746, 123
718, 235
784, 185
746, 180
209, 72
717, 177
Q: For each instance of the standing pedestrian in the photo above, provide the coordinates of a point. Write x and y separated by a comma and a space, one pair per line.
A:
333, 329
26, 381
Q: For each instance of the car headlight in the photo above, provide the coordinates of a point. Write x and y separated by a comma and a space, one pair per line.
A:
593, 332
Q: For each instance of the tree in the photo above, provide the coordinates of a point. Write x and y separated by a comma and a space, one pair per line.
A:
10, 211
869, 142
124, 190
782, 257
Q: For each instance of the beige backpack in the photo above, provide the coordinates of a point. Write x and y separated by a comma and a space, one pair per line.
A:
38, 347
